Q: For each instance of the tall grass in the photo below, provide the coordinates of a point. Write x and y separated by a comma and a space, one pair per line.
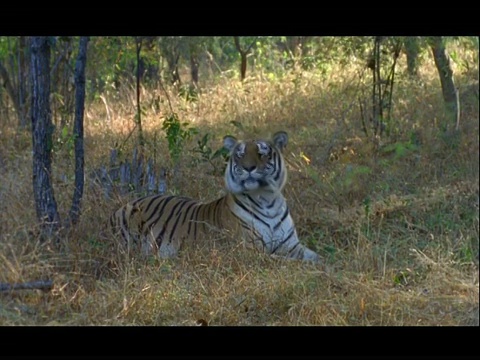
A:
395, 219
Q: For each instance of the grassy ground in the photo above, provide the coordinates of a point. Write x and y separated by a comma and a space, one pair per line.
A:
396, 219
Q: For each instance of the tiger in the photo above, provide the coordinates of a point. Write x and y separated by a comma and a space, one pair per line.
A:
253, 208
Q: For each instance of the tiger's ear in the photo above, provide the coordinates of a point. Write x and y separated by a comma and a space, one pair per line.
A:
229, 142
280, 139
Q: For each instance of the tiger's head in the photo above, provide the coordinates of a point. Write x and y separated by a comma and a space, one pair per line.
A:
256, 165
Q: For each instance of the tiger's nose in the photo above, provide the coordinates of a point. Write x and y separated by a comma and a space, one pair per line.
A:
250, 168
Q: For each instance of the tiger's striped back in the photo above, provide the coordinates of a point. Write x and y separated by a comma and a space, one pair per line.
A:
163, 223
253, 209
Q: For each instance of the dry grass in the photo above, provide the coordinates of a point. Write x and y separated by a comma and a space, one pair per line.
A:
399, 230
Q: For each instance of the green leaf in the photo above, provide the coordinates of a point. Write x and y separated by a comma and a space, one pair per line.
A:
222, 152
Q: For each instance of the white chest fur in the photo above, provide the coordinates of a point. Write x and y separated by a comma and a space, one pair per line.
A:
265, 218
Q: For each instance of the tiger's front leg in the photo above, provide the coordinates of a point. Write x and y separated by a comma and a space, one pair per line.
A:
301, 252
293, 249
310, 255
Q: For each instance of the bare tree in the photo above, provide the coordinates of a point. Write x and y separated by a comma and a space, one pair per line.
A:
78, 128
42, 129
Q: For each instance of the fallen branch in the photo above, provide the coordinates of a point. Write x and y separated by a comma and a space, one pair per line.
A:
40, 284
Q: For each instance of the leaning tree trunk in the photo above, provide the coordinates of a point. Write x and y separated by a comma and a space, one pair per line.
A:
78, 128
449, 91
42, 129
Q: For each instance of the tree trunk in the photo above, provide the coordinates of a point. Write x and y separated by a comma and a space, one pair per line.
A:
412, 49
295, 48
377, 108
293, 45
42, 129
15, 81
243, 56
141, 140
22, 82
78, 128
175, 72
243, 66
194, 68
63, 82
449, 91
7, 84
172, 61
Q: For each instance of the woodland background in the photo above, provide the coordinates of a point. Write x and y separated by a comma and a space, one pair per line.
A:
383, 177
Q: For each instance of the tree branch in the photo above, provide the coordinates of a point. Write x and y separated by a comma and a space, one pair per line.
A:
39, 284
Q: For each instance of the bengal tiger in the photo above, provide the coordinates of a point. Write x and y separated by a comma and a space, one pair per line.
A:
253, 208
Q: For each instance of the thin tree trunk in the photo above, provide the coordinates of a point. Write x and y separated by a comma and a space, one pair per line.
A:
7, 84
78, 128
412, 49
243, 56
377, 114
66, 108
175, 73
194, 68
137, 165
243, 66
449, 91
295, 46
22, 82
378, 83
139, 110
14, 80
172, 61
42, 129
